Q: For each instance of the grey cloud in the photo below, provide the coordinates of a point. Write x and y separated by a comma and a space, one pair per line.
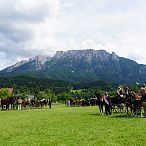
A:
13, 55
34, 28
9, 12
16, 33
16, 28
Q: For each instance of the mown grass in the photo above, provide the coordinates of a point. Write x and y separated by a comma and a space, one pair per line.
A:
70, 126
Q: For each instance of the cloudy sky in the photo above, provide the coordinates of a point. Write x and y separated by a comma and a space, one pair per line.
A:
32, 27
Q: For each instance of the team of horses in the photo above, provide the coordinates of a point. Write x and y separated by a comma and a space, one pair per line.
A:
130, 103
12, 103
83, 102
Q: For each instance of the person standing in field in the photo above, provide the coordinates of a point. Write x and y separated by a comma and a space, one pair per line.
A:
119, 95
49, 102
143, 91
143, 95
106, 101
19, 103
68, 103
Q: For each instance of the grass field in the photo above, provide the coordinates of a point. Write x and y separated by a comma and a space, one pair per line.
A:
70, 126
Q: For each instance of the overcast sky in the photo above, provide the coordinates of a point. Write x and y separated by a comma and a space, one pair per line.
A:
42, 27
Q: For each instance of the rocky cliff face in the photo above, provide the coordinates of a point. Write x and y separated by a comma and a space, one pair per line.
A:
81, 65
33, 64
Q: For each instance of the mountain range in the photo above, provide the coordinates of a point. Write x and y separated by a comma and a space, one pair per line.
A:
80, 66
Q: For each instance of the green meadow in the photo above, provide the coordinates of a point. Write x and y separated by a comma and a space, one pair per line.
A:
70, 126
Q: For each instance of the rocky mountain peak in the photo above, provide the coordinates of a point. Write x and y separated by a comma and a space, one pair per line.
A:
102, 55
40, 58
82, 53
114, 56
58, 54
81, 65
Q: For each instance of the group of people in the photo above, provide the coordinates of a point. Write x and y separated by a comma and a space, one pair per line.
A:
20, 102
105, 100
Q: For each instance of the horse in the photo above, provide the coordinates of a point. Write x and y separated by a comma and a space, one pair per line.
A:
72, 102
82, 102
117, 103
43, 102
25, 103
93, 101
99, 102
12, 101
135, 103
87, 102
5, 102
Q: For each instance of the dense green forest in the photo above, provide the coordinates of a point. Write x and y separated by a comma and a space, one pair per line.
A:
57, 89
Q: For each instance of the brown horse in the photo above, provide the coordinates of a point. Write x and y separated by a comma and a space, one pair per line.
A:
135, 103
43, 102
25, 103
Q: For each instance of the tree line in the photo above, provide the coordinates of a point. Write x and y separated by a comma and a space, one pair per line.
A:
57, 90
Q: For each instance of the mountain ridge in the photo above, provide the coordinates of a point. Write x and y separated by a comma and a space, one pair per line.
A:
81, 65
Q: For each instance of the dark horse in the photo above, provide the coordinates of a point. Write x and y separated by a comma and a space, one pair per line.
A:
8, 102
99, 102
5, 103
12, 101
117, 104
